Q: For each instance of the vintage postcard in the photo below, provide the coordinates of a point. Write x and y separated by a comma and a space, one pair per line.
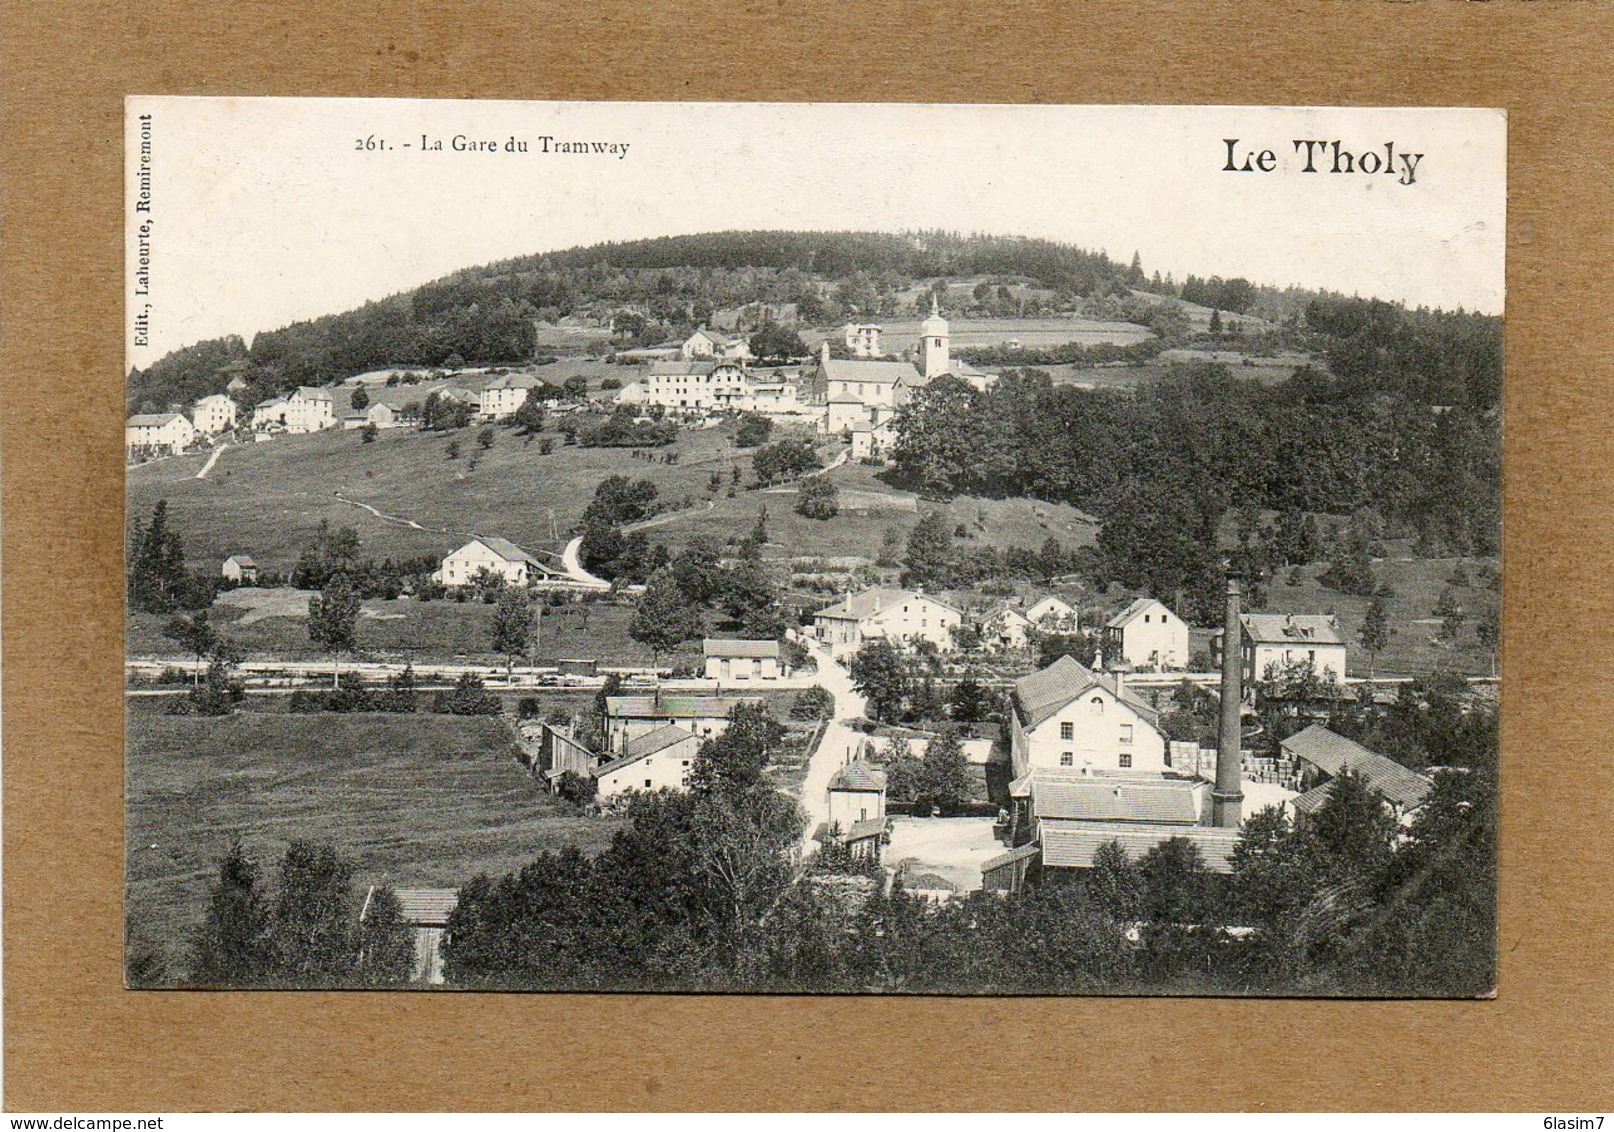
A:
813, 547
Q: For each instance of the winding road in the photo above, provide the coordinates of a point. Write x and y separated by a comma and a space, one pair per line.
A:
840, 743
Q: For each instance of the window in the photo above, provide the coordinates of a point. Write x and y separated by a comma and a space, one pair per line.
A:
1067, 758
1126, 733
1145, 618
1126, 759
1097, 704
1067, 731
647, 784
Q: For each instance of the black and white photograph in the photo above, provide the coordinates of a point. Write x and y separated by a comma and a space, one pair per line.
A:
812, 548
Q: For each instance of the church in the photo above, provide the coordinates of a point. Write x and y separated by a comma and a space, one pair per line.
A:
861, 396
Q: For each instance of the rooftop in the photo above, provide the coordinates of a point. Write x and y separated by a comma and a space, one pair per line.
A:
1136, 609
153, 420
1073, 844
1161, 801
427, 907
862, 369
1331, 753
658, 740
858, 775
1291, 628
712, 646
671, 706
1041, 694
872, 601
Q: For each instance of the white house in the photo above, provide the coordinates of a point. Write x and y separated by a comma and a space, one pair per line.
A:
241, 569
861, 392
377, 413
856, 817
309, 410
1147, 635
1008, 628
426, 911
656, 760
505, 394
741, 661
1066, 717
214, 414
501, 556
863, 339
629, 717
901, 616
1053, 615
1284, 639
158, 432
706, 343
692, 385
269, 414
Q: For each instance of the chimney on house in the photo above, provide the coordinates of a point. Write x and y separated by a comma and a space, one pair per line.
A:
1227, 796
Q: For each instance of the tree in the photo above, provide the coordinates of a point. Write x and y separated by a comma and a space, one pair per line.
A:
386, 942
157, 581
880, 673
195, 634
732, 762
1376, 632
360, 400
368, 433
333, 616
1353, 829
817, 498
970, 701
753, 430
529, 416
930, 550
1452, 616
469, 696
1176, 883
484, 437
1114, 884
575, 387
1489, 631
452, 450
313, 925
944, 777
664, 617
512, 627
231, 948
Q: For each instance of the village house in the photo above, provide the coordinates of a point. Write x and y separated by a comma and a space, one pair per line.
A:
1068, 717
628, 717
1147, 635
856, 817
706, 343
158, 432
269, 414
496, 555
728, 661
214, 414
861, 392
240, 569
863, 339
309, 410
702, 386
1007, 629
1054, 615
377, 413
656, 760
502, 396
1313, 759
1280, 640
900, 616
426, 911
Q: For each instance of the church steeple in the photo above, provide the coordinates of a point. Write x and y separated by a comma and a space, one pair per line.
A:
934, 343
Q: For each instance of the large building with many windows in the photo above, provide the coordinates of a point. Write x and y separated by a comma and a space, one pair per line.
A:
1067, 717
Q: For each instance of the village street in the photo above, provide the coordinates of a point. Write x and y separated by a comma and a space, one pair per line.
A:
839, 744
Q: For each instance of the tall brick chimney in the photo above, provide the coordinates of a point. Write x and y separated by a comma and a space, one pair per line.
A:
1228, 795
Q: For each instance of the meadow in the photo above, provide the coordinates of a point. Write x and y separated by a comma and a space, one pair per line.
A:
412, 800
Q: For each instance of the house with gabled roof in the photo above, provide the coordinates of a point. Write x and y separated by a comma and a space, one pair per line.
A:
861, 391
1054, 615
309, 409
501, 397
158, 432
1316, 757
1147, 635
707, 343
656, 760
426, 912
627, 717
1067, 717
498, 555
1008, 628
1280, 640
900, 616
214, 414
856, 816
698, 385
241, 569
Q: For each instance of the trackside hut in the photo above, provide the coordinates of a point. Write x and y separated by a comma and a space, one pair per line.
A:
741, 660
657, 760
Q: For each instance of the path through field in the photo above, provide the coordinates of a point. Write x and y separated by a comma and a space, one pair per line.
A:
211, 460
573, 565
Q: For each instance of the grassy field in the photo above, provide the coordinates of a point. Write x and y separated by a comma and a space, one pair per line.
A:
413, 800
1032, 333
404, 629
268, 499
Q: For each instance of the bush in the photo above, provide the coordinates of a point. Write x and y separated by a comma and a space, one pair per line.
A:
528, 708
469, 697
813, 703
611, 383
575, 788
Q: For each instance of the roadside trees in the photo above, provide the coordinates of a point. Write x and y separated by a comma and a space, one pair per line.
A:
879, 671
665, 617
513, 627
333, 616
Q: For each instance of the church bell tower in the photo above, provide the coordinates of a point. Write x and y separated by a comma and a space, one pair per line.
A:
933, 344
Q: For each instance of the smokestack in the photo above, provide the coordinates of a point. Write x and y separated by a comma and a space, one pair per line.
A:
1228, 795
